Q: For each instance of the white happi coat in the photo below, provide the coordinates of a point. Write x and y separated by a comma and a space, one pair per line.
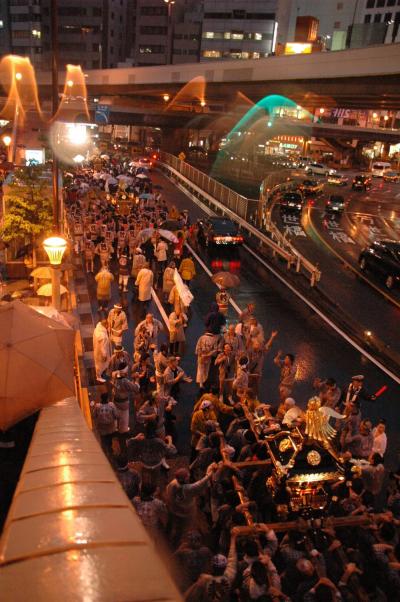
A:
101, 348
117, 323
206, 345
144, 281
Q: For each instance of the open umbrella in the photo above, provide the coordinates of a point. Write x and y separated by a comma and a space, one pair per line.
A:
147, 232
146, 195
36, 362
63, 317
41, 272
226, 279
46, 290
142, 176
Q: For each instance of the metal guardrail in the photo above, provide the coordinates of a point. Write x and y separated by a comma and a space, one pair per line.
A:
231, 204
71, 532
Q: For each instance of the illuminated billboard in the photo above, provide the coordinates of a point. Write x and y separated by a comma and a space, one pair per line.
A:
297, 48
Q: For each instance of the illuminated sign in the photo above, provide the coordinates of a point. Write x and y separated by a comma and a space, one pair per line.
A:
297, 48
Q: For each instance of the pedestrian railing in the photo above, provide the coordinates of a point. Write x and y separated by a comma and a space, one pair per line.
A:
71, 531
236, 207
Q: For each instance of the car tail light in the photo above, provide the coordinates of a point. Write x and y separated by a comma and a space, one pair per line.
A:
239, 238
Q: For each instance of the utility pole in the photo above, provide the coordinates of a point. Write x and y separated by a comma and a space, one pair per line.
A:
54, 83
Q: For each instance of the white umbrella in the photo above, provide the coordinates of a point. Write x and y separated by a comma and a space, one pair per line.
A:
46, 290
41, 272
142, 176
147, 232
106, 157
51, 312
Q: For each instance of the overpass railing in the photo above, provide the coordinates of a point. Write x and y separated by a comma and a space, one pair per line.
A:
71, 532
212, 193
226, 196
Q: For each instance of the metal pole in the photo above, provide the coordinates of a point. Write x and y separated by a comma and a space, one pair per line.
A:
55, 287
54, 83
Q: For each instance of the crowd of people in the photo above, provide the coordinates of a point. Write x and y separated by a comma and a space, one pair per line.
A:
219, 507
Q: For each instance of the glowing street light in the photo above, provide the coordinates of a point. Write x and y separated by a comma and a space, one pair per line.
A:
7, 140
322, 111
18, 76
166, 97
203, 103
55, 247
70, 83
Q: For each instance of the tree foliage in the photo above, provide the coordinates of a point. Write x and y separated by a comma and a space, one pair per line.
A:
28, 205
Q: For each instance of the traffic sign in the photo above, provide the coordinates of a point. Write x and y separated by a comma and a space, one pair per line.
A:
102, 114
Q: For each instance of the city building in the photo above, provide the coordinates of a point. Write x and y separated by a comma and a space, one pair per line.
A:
94, 34
377, 22
20, 29
350, 23
234, 29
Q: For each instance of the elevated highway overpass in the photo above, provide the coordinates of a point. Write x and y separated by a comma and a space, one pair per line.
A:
360, 78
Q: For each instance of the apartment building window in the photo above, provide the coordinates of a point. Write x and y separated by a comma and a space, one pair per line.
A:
370, 3
237, 35
397, 18
367, 19
377, 18
388, 17
260, 16
212, 54
339, 6
153, 30
258, 36
337, 25
158, 11
97, 12
217, 15
24, 18
227, 35
150, 49
21, 34
192, 52
391, 2
72, 11
1, 24
239, 14
380, 3
95, 47
208, 35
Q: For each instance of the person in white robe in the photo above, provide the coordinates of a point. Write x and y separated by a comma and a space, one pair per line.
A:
102, 350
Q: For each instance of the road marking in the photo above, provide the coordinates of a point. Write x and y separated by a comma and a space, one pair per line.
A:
349, 265
209, 273
160, 307
304, 299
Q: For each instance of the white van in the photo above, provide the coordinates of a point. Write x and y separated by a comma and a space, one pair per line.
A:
378, 168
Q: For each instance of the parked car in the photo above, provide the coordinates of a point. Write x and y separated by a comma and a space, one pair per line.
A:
391, 176
361, 182
319, 169
222, 231
309, 187
291, 202
382, 258
335, 204
338, 179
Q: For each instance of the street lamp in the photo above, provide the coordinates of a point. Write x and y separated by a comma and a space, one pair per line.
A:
166, 97
55, 248
7, 142
169, 57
